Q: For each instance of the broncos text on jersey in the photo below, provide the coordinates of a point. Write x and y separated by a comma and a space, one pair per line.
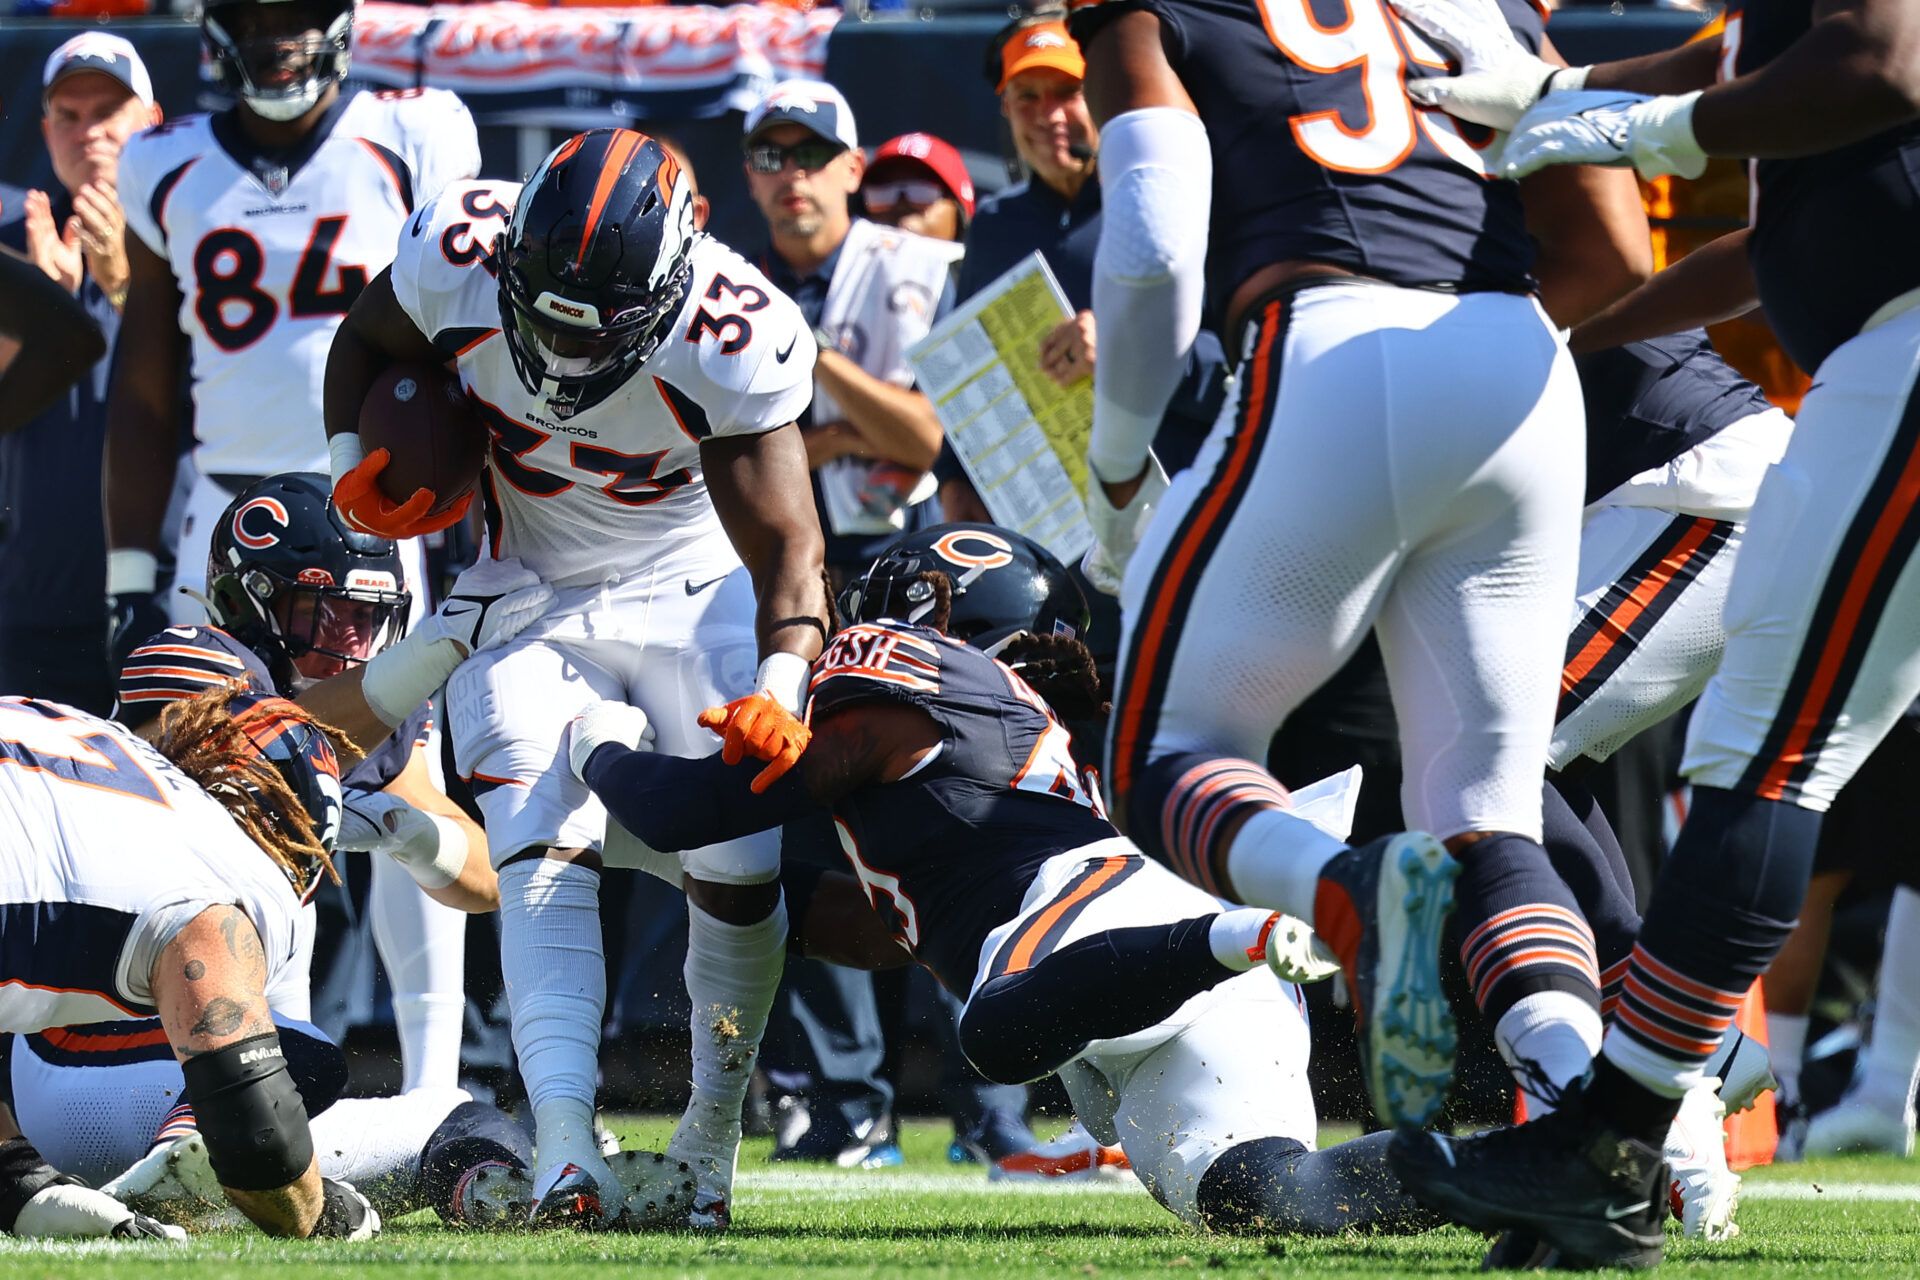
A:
575, 493
270, 249
947, 854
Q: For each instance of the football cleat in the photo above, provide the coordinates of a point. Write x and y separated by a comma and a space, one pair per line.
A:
492, 1196
1075, 1156
1296, 953
997, 1134
1381, 909
574, 1201
1859, 1124
1596, 1195
1703, 1193
1744, 1069
659, 1190
175, 1182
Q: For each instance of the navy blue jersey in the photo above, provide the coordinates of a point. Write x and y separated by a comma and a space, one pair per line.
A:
380, 766
1650, 402
1317, 152
1833, 234
948, 852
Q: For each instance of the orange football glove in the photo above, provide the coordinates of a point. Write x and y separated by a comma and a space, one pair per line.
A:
758, 726
358, 499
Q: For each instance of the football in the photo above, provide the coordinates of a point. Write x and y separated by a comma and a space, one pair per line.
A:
420, 415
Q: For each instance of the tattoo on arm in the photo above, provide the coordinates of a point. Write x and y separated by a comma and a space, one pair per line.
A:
221, 1017
243, 943
196, 970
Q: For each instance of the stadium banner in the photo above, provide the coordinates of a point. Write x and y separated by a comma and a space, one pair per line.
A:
576, 68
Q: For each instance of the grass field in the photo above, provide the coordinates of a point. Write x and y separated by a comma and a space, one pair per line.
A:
931, 1219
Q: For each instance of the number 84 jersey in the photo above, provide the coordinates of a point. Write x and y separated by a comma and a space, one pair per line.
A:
582, 494
270, 249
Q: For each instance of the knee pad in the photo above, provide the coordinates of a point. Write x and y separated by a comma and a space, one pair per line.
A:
318, 1065
1245, 1188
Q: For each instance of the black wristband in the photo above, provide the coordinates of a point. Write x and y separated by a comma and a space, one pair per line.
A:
24, 1175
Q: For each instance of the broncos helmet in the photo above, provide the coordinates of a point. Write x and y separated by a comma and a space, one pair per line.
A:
300, 753
288, 579
594, 265
1004, 585
263, 51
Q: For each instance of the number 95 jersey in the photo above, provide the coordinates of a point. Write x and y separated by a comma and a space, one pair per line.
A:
586, 494
270, 249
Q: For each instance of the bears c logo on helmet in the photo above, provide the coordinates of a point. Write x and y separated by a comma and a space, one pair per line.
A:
952, 548
256, 532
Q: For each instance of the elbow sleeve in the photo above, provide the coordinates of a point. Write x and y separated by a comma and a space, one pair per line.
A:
1156, 183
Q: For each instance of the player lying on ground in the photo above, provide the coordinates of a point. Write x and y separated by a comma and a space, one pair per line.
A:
975, 835
233, 816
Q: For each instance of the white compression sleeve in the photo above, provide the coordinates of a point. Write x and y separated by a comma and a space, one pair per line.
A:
1156, 186
423, 947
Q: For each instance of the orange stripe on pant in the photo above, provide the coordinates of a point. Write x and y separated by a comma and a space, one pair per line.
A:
1027, 941
1873, 559
1614, 630
1159, 616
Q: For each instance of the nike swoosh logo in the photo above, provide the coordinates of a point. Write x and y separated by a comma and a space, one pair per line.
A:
459, 609
1615, 1214
780, 357
695, 588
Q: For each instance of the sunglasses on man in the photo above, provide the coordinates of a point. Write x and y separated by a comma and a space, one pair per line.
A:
771, 157
917, 193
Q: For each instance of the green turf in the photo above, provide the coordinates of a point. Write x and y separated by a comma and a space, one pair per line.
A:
931, 1219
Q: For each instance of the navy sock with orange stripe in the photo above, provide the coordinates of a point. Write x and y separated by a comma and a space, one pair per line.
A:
1024, 1024
1521, 930
1726, 900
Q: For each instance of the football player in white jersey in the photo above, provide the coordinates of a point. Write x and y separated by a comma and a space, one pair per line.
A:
640, 381
204, 928
250, 233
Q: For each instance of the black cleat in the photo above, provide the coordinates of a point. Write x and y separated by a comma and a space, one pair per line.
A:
1593, 1195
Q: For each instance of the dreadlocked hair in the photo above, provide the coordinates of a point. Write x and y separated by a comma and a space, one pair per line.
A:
210, 745
1062, 671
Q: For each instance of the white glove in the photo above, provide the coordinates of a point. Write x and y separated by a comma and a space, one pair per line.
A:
605, 722
492, 602
1117, 532
433, 849
1499, 77
65, 1211
1654, 135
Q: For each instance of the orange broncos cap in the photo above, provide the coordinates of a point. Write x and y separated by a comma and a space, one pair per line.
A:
1044, 45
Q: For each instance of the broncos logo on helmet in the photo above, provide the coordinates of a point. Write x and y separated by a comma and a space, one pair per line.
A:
594, 264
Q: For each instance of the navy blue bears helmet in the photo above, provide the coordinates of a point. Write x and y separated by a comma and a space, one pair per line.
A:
594, 264
1004, 584
288, 579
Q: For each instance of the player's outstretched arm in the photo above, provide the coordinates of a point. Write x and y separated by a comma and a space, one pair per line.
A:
143, 406
55, 341
764, 498
209, 984
37, 1201
443, 849
1709, 285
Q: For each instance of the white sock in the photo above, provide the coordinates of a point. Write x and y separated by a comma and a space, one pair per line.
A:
732, 972
375, 1143
1275, 862
1239, 938
556, 977
1786, 1047
1558, 1032
1893, 1053
423, 948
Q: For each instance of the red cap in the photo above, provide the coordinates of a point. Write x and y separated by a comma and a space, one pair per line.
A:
935, 154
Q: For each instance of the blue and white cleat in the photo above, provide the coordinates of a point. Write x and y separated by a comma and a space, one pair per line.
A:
1382, 909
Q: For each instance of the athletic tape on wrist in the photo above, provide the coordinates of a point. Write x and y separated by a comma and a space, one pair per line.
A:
344, 453
784, 676
132, 571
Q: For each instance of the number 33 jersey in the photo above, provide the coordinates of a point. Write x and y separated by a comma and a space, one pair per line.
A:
587, 494
270, 249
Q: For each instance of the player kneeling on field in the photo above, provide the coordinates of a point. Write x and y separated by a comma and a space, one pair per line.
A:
168, 880
982, 850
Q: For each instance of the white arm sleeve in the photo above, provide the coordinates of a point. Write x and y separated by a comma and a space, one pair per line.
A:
1156, 186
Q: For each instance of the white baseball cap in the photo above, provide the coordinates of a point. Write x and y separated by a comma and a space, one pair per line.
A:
99, 52
814, 104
